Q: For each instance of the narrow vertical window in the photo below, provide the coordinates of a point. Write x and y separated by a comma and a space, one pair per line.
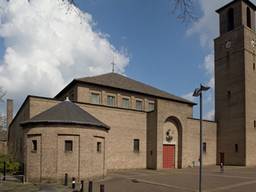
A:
236, 148
248, 16
230, 19
34, 145
139, 105
111, 100
95, 98
125, 103
229, 94
136, 145
253, 66
204, 147
99, 147
151, 106
254, 123
68, 146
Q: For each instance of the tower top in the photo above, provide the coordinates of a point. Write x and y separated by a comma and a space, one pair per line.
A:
236, 14
248, 2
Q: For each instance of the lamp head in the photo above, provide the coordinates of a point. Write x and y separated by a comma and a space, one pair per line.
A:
197, 92
204, 88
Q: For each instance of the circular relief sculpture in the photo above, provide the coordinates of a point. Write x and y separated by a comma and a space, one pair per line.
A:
169, 137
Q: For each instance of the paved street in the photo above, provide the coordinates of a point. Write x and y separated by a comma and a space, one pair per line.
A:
235, 179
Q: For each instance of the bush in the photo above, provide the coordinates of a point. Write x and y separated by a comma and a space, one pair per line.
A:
11, 166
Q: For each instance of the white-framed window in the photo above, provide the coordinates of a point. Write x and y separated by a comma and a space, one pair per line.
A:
125, 102
111, 100
151, 106
95, 98
139, 104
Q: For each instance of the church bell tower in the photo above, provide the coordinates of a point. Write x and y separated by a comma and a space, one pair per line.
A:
235, 84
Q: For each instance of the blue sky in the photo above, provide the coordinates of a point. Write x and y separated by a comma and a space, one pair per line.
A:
149, 43
160, 52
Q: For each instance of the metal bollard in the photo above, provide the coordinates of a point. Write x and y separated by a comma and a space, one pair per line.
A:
82, 186
4, 171
90, 186
66, 179
73, 183
102, 188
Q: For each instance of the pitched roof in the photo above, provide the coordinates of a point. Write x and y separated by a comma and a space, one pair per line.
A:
66, 112
3, 135
252, 5
114, 80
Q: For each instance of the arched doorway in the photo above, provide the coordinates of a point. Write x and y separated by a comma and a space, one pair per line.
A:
172, 143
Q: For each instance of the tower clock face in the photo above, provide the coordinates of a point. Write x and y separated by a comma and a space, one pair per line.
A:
228, 44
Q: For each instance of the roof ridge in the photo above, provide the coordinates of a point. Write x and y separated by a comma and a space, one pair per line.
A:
108, 79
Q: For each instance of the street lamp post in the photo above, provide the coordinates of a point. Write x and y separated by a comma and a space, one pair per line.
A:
198, 93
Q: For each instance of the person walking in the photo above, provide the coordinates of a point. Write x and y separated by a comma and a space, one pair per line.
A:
221, 167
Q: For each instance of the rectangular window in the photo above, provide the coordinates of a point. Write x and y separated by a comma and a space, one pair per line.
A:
254, 124
236, 148
151, 106
34, 145
204, 147
111, 100
139, 105
99, 147
136, 145
68, 146
95, 98
125, 103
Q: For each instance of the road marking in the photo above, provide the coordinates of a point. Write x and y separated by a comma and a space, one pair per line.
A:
231, 186
163, 185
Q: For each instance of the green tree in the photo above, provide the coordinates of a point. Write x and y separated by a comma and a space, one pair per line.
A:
11, 165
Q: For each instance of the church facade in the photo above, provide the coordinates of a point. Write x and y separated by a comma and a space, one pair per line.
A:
112, 122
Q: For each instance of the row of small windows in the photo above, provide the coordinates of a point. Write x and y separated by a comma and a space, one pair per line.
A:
230, 17
68, 146
111, 101
136, 145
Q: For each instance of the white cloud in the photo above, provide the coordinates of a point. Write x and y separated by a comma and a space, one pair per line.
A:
48, 44
210, 115
207, 26
208, 67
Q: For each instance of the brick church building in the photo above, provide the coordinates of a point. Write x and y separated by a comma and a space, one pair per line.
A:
112, 122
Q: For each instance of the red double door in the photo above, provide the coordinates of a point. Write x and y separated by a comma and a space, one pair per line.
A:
168, 156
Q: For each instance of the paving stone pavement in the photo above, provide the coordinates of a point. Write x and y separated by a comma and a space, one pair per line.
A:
235, 179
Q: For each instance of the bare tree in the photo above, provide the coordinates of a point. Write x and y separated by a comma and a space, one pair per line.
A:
184, 9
